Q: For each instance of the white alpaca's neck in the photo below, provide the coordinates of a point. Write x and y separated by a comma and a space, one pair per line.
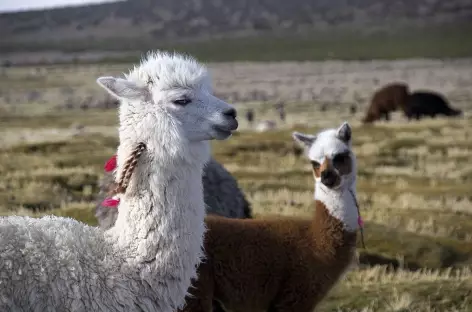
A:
341, 204
160, 224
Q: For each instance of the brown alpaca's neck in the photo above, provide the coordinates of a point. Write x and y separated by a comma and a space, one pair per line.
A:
333, 242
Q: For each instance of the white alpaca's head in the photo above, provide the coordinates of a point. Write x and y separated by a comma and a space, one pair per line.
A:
169, 95
330, 153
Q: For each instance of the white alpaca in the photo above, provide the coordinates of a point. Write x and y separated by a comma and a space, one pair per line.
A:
146, 262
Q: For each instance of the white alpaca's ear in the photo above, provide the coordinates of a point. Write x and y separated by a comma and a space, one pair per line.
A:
305, 140
123, 89
344, 132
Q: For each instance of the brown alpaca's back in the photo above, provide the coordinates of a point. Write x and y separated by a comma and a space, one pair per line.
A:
385, 100
271, 265
261, 253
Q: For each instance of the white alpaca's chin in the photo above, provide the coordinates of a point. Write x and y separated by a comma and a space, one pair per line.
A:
219, 134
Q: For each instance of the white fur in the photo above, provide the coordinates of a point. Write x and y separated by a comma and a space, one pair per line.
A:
340, 204
340, 200
221, 193
147, 260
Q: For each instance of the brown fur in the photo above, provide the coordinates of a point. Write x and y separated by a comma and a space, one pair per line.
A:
271, 265
387, 99
322, 167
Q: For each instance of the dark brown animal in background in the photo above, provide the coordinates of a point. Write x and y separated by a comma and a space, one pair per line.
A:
353, 109
387, 99
250, 116
285, 264
280, 107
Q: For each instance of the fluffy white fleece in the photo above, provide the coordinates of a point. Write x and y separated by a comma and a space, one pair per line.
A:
145, 262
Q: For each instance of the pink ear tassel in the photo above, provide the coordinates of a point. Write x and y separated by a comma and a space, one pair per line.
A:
111, 202
110, 164
360, 221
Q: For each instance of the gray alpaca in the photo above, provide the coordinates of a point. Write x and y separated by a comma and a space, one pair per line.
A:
221, 192
147, 261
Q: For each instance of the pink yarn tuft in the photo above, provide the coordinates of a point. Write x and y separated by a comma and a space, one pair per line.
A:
110, 202
110, 164
360, 221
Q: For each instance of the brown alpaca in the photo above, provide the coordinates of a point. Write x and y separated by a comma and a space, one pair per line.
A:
387, 99
285, 264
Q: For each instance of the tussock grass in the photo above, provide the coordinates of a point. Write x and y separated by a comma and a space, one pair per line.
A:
414, 182
418, 217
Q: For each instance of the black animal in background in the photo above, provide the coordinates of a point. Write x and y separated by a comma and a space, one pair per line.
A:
428, 103
280, 107
250, 116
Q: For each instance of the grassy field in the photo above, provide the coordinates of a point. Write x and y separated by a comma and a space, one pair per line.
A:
342, 44
414, 182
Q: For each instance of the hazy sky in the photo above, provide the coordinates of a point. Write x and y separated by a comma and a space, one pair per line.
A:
19, 5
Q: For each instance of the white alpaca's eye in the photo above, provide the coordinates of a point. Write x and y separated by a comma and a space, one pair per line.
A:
182, 102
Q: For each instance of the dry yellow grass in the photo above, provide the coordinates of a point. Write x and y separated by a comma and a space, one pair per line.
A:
414, 185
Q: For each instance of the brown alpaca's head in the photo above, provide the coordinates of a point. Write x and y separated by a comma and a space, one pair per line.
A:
331, 156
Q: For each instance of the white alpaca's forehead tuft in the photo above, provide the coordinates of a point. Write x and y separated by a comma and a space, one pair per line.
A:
169, 71
327, 144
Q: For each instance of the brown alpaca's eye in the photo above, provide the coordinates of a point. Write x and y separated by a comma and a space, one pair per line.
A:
315, 164
340, 159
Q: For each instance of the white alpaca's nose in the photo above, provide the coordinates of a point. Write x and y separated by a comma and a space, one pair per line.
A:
230, 113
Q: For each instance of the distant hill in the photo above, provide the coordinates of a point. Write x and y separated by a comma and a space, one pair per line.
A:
172, 19
309, 29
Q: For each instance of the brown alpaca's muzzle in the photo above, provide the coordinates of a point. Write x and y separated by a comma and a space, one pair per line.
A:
330, 178
327, 174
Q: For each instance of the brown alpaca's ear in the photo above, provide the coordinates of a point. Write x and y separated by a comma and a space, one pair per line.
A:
344, 132
304, 140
